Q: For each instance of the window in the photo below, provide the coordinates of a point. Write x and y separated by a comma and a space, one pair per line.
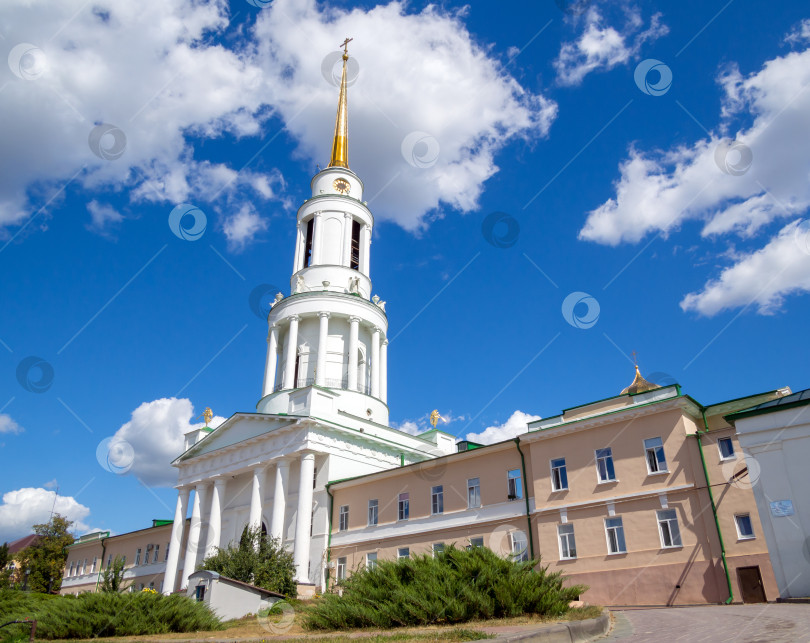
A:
437, 499
478, 541
438, 548
95, 562
745, 529
341, 568
559, 476
604, 465
404, 506
373, 512
166, 556
308, 242
343, 523
84, 567
199, 593
371, 560
138, 557
726, 447
70, 573
654, 450
615, 536
520, 550
668, 528
355, 258
403, 552
514, 486
124, 560
109, 561
473, 493
155, 557
314, 477
568, 546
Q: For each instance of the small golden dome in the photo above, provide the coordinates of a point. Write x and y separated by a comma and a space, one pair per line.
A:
639, 385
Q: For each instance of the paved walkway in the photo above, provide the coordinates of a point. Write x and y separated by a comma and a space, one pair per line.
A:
773, 622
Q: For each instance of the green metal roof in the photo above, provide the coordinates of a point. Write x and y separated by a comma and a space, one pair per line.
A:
800, 398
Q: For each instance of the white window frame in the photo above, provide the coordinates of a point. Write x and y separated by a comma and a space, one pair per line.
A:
138, 557
437, 500
740, 535
732, 456
70, 573
519, 545
618, 529
474, 540
371, 560
404, 506
473, 493
155, 557
437, 548
567, 541
340, 570
654, 450
373, 512
343, 518
514, 484
670, 516
558, 477
606, 458
401, 555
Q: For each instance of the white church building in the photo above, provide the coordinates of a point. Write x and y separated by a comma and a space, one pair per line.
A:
322, 415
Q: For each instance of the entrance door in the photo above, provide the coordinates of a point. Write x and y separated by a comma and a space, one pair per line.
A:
751, 585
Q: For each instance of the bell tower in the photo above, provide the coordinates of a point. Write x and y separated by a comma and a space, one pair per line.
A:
327, 341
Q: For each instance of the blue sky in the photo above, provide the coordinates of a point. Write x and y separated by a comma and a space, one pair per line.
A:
677, 209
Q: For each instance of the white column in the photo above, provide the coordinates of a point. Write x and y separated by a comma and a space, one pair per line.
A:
291, 352
323, 340
179, 524
375, 362
353, 341
195, 528
365, 247
299, 248
347, 239
280, 500
256, 497
270, 362
317, 230
215, 518
303, 519
384, 371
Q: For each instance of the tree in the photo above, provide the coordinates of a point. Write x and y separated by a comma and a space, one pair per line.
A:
257, 559
112, 580
5, 559
44, 561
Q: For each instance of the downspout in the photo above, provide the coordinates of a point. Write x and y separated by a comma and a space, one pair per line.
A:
697, 435
101, 562
526, 496
329, 536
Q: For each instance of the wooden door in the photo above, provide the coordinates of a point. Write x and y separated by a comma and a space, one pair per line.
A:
751, 588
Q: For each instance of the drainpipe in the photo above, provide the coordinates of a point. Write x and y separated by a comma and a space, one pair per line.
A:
329, 532
697, 435
526, 496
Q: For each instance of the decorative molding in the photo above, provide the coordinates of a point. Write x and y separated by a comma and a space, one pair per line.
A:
614, 499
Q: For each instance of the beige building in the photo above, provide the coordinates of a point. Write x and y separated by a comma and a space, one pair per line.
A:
644, 497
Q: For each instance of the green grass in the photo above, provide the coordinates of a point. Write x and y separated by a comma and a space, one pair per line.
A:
456, 635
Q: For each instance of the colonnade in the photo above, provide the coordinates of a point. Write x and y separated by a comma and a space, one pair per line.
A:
346, 243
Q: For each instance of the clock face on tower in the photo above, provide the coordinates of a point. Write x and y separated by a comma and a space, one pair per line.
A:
341, 185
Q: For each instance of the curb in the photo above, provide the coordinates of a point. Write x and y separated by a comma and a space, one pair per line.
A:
570, 632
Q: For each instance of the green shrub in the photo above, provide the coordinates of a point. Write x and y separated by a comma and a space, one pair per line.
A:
106, 614
455, 586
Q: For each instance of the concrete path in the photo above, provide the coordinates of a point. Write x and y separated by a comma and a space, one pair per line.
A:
772, 622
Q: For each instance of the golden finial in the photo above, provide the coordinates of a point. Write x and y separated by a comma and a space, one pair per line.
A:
435, 417
207, 415
340, 142
634, 355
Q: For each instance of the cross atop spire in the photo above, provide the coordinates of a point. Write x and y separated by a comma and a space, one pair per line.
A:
345, 45
340, 142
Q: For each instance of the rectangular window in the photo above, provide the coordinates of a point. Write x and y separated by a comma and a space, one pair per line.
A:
473, 493
166, 556
654, 451
520, 546
341, 568
668, 528
559, 476
95, 562
726, 446
155, 557
109, 561
614, 530
477, 541
514, 485
355, 258
568, 546
438, 548
308, 242
437, 499
84, 567
314, 477
199, 593
70, 573
124, 560
745, 528
371, 560
343, 522
604, 465
404, 506
138, 557
403, 552
373, 512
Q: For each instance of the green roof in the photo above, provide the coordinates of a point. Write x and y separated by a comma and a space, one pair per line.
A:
800, 398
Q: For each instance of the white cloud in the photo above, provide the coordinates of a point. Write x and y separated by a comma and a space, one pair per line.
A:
800, 35
711, 181
602, 47
8, 425
156, 437
103, 217
29, 506
155, 70
514, 426
242, 227
409, 426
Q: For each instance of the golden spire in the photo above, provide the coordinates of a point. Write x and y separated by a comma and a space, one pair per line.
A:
340, 143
